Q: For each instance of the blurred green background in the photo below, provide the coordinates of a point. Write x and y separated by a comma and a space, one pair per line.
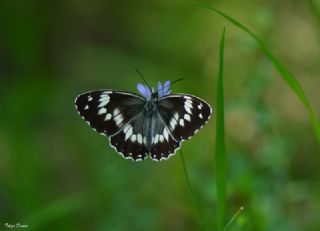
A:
58, 174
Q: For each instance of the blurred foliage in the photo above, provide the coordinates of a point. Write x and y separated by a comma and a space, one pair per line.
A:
57, 174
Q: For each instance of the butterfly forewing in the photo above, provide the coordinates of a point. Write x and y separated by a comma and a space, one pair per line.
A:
108, 111
183, 114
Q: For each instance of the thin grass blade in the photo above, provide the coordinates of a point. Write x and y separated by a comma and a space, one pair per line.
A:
191, 194
315, 10
284, 72
220, 158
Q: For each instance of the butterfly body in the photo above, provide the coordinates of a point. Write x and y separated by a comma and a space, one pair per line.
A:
137, 126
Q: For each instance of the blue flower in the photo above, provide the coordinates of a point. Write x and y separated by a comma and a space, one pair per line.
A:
162, 90
144, 90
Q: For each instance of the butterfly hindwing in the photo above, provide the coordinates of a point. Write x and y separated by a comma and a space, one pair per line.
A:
108, 111
162, 145
183, 114
131, 141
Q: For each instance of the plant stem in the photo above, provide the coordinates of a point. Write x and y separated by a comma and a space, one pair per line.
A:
220, 158
191, 194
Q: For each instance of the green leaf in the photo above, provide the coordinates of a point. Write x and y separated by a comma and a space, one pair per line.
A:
284, 72
220, 159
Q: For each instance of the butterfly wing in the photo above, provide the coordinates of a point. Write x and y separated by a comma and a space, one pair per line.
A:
123, 117
162, 145
108, 111
183, 114
178, 117
131, 141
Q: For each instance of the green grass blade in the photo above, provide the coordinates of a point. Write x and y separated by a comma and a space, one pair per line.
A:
315, 10
284, 72
191, 194
220, 160
233, 218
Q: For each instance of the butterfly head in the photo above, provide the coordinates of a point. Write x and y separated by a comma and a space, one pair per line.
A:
148, 93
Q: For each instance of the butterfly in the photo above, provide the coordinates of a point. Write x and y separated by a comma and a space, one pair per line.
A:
151, 124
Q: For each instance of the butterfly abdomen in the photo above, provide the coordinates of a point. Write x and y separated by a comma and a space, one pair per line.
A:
149, 123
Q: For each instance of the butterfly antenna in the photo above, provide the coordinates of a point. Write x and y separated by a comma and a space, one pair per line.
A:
137, 70
176, 81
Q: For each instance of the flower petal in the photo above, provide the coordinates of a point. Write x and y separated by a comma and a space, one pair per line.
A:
166, 90
160, 89
144, 90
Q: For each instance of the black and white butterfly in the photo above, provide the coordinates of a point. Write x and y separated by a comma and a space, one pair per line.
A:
153, 124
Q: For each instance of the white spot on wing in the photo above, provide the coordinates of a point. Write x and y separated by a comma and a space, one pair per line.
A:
166, 134
116, 112
200, 115
161, 138
86, 107
102, 111
118, 119
133, 138
173, 123
104, 97
156, 138
108, 117
187, 117
188, 102
187, 108
139, 138
128, 132
89, 98
104, 100
181, 122
176, 116
126, 128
